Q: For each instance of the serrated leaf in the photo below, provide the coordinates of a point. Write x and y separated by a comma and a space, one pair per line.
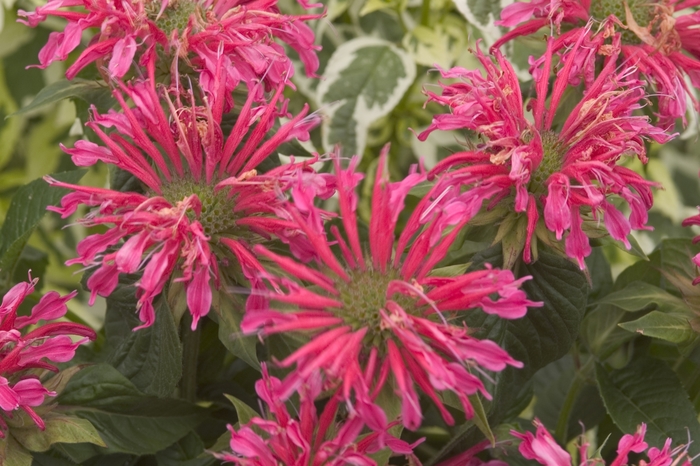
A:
26, 210
639, 296
544, 335
127, 420
245, 413
90, 91
669, 327
648, 391
59, 429
364, 80
151, 358
229, 308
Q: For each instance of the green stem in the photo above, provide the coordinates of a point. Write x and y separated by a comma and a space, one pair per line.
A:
561, 431
190, 353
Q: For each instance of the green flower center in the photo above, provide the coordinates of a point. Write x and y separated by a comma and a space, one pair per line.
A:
364, 295
217, 216
642, 12
552, 159
175, 16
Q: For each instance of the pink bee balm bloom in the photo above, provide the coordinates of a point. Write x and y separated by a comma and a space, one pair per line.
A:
309, 439
191, 32
555, 176
202, 203
22, 350
542, 448
378, 313
662, 46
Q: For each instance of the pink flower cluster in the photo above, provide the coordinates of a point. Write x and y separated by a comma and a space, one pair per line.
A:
561, 175
308, 439
659, 44
542, 448
378, 315
375, 319
202, 192
172, 33
33, 342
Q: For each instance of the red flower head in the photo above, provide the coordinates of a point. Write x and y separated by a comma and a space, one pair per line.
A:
22, 350
565, 175
378, 314
542, 448
663, 47
204, 203
194, 32
310, 439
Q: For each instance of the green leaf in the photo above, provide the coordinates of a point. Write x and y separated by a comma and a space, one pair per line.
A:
601, 333
151, 358
13, 454
59, 429
638, 296
230, 311
90, 91
601, 275
670, 327
556, 382
186, 452
544, 335
245, 413
449, 271
127, 420
26, 211
364, 80
648, 391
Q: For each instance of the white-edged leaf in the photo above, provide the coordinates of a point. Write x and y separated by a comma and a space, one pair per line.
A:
482, 14
364, 80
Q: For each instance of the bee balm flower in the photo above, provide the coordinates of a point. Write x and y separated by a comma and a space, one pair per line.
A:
181, 32
659, 38
203, 205
377, 317
561, 175
22, 349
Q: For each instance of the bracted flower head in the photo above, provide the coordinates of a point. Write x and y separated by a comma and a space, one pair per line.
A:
309, 439
377, 317
204, 203
562, 175
192, 32
33, 342
542, 448
661, 44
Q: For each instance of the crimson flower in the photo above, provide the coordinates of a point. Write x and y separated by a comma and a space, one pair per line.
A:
542, 448
194, 32
662, 45
22, 349
565, 175
310, 439
378, 314
203, 205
